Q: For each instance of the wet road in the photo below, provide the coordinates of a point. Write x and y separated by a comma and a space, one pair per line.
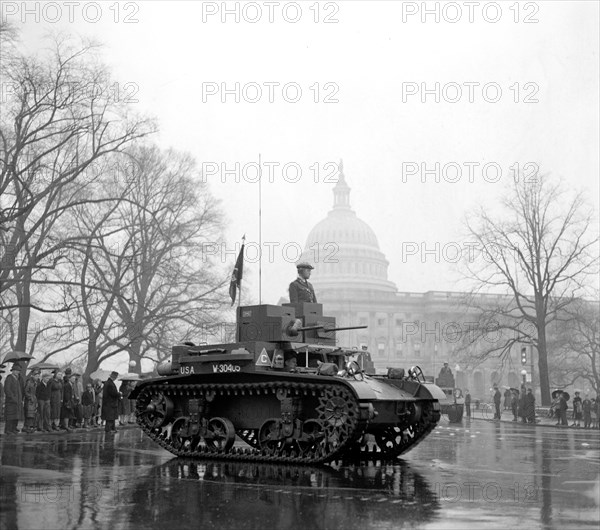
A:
483, 474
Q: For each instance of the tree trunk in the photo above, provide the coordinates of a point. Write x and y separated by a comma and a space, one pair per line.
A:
543, 366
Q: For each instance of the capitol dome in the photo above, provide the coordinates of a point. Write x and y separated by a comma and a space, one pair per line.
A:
345, 250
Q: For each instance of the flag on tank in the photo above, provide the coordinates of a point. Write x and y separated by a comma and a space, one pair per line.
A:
236, 275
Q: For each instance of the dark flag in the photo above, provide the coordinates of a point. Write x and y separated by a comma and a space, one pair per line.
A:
236, 275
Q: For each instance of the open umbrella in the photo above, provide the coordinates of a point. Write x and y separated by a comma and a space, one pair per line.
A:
103, 375
515, 390
44, 366
556, 393
567, 396
16, 356
129, 377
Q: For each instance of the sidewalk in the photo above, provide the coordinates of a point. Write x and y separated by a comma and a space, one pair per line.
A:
77, 430
542, 420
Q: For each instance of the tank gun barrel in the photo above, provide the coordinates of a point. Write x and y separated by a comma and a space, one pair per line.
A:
307, 328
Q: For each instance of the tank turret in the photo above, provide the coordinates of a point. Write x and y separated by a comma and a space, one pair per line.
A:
245, 400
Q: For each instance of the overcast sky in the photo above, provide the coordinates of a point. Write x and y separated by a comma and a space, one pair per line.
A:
366, 68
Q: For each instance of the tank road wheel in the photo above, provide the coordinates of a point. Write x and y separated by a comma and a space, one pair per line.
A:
312, 437
338, 413
179, 439
269, 437
156, 411
220, 434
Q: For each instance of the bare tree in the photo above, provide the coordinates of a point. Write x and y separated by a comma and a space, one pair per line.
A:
58, 119
576, 340
540, 253
172, 287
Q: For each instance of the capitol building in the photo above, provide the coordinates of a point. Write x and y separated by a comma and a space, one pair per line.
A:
403, 328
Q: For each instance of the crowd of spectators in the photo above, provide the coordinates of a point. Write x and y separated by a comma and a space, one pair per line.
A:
46, 401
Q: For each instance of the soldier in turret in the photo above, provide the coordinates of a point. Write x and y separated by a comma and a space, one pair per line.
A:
301, 289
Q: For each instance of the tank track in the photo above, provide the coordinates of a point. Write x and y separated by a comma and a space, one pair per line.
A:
342, 437
339, 431
394, 441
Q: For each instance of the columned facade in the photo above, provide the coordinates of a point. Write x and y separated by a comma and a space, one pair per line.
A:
404, 328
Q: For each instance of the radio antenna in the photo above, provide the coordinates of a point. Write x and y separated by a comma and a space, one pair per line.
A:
259, 230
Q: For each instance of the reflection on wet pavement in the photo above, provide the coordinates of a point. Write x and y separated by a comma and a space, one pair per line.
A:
472, 475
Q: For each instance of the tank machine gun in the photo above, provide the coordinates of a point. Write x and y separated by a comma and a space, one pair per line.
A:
326, 408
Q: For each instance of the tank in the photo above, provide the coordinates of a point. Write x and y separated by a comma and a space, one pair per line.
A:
453, 403
243, 401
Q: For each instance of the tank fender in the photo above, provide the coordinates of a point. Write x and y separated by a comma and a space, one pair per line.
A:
431, 390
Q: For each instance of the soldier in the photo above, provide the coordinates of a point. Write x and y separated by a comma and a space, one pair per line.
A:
300, 289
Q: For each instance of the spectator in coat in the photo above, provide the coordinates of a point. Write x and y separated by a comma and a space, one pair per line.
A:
98, 387
42, 393
587, 412
530, 406
577, 410
522, 408
13, 400
497, 401
66, 410
30, 400
507, 399
88, 400
124, 404
514, 404
110, 403
562, 410
56, 393
77, 417
468, 403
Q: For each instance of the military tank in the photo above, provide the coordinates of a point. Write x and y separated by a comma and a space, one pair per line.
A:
318, 408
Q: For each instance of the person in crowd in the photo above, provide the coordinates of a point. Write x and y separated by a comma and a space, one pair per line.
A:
13, 400
98, 387
42, 393
124, 405
507, 399
110, 403
530, 406
586, 406
497, 401
522, 407
577, 410
514, 404
77, 385
468, 403
594, 413
56, 392
562, 410
88, 400
30, 400
66, 409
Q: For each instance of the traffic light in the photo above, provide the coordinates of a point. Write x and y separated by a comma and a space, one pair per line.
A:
523, 355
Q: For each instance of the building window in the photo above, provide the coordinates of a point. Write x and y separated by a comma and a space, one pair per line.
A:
363, 321
381, 321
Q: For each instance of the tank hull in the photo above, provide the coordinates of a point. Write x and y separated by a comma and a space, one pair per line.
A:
286, 417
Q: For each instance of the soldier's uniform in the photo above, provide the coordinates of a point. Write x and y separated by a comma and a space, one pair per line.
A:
300, 289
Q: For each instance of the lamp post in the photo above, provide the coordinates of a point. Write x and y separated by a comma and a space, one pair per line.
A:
524, 376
